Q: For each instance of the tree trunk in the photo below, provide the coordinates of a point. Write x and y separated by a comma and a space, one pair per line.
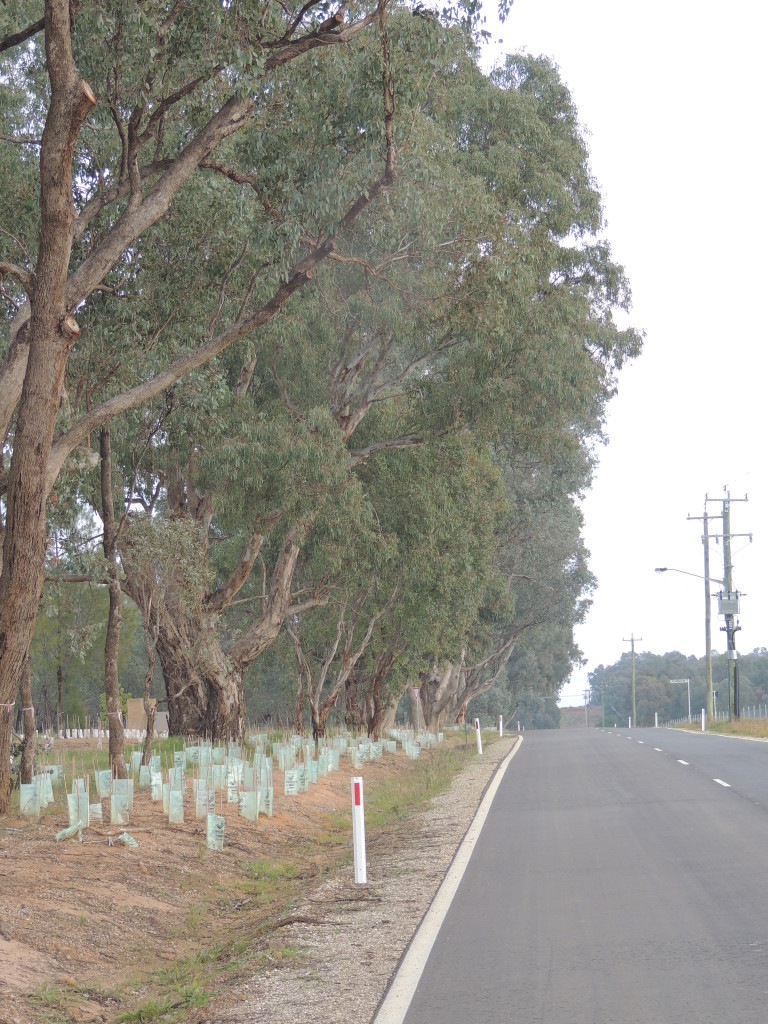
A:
6, 732
111, 681
146, 753
204, 687
29, 749
115, 617
376, 706
298, 710
150, 710
45, 700
52, 333
353, 713
59, 697
438, 691
320, 719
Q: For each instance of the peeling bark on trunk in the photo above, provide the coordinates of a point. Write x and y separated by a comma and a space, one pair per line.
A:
203, 685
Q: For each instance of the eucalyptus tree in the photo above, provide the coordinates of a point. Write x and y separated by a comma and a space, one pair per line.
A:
538, 593
385, 318
436, 507
510, 292
110, 110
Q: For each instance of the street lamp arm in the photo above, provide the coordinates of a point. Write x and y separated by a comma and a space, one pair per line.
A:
707, 579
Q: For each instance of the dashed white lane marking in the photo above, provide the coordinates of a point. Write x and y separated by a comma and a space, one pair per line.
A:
659, 750
681, 762
721, 783
641, 742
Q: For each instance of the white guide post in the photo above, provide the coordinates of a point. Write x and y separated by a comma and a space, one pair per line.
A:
703, 719
630, 721
501, 725
358, 831
479, 737
656, 719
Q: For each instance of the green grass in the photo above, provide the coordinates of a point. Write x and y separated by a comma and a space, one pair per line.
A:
755, 727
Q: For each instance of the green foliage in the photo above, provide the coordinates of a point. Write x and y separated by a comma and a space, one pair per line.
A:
653, 692
124, 695
421, 414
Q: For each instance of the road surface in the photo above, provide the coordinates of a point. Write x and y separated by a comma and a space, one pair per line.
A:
621, 878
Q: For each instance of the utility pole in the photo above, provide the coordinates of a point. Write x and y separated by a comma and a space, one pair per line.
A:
631, 640
728, 606
707, 607
730, 632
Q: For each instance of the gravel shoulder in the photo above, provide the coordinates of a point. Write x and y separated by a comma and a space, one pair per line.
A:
348, 939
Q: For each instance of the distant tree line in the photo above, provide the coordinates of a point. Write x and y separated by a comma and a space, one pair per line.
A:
611, 685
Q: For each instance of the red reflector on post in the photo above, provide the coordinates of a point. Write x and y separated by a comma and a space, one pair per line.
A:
357, 794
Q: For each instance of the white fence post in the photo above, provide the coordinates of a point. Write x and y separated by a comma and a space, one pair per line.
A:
358, 831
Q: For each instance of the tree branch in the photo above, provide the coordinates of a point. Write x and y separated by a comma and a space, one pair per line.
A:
23, 277
301, 272
359, 455
23, 36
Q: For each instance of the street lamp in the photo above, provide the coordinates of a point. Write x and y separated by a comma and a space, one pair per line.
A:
707, 619
683, 682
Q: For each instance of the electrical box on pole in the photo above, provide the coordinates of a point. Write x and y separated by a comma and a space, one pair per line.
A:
728, 604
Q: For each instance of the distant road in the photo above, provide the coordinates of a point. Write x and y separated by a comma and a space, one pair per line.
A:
612, 884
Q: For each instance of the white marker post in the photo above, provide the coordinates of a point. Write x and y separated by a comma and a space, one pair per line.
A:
479, 737
501, 725
358, 831
703, 719
656, 719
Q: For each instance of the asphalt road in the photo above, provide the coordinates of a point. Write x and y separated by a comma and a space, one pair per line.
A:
612, 884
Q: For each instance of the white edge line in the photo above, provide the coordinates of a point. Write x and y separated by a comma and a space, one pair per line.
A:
397, 1000
721, 783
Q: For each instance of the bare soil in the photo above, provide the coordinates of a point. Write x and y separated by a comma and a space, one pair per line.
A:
87, 929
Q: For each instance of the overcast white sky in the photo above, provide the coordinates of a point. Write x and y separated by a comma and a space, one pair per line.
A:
672, 96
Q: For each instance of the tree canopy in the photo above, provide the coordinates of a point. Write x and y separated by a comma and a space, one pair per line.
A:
345, 302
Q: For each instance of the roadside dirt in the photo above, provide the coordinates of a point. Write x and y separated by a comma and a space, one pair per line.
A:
82, 924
